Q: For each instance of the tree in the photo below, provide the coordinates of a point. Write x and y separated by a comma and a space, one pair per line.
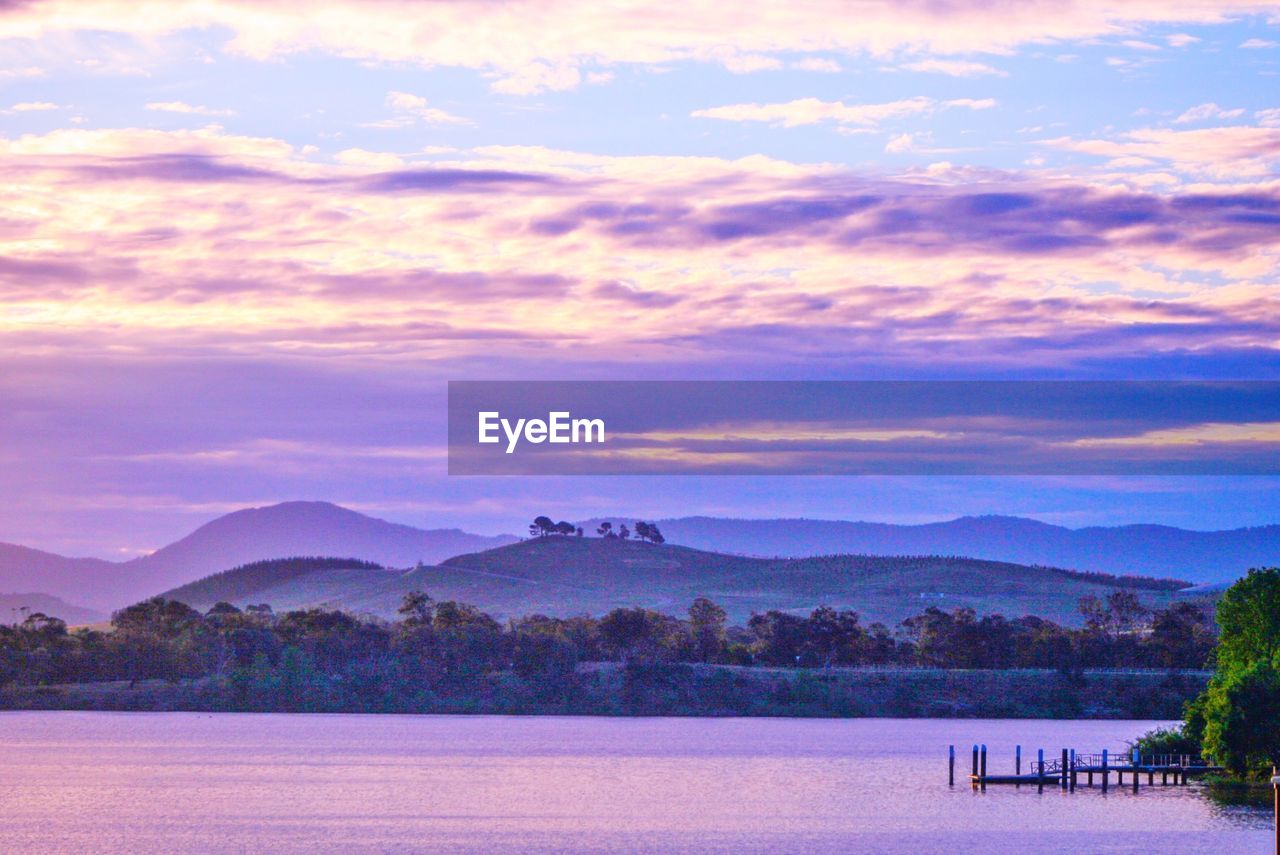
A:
417, 609
542, 526
606, 529
564, 528
1181, 637
578, 531
707, 622
623, 531
1237, 718
1240, 712
642, 530
1249, 620
655, 536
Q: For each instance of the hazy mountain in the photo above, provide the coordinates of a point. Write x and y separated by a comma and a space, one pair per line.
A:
61, 583
276, 531
14, 608
568, 575
1148, 550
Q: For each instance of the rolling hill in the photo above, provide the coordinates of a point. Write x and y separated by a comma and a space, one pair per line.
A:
1204, 557
568, 575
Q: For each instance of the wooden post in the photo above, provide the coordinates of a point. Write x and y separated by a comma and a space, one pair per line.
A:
984, 766
1073, 770
1040, 769
1275, 785
1066, 769
1136, 758
1017, 759
951, 765
1104, 770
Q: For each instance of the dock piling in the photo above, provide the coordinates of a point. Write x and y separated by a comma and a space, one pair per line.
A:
1040, 769
1072, 767
1017, 759
951, 765
984, 766
1104, 770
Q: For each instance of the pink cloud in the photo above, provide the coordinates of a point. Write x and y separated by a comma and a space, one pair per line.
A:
527, 47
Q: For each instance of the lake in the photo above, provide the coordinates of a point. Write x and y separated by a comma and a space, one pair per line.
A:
171, 782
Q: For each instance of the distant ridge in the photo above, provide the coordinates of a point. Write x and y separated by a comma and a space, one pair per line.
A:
14, 608
321, 528
1204, 557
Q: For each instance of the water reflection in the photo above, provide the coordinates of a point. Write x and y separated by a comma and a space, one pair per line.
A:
174, 782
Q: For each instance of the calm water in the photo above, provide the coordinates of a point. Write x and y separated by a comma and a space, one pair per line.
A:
172, 782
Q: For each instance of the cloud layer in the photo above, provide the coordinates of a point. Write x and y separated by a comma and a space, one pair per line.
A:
538, 45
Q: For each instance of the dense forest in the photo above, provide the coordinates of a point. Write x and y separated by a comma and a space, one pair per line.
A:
450, 655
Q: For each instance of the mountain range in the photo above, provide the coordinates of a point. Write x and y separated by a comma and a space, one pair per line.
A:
252, 534
1204, 557
319, 528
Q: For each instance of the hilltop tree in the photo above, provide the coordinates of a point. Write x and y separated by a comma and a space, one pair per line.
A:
606, 529
565, 528
623, 531
648, 532
542, 526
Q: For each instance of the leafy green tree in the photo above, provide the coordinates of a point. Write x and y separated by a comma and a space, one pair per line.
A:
1237, 718
1241, 719
1249, 620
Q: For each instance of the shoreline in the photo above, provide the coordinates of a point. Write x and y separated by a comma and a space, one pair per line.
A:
606, 689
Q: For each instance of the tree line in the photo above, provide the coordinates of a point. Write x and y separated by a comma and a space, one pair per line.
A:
543, 526
264, 658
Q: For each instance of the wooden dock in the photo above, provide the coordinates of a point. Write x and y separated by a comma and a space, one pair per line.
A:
1071, 769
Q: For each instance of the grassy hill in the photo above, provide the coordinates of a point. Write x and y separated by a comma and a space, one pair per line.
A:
283, 583
569, 575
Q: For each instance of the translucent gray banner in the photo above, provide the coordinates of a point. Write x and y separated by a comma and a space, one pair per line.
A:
864, 428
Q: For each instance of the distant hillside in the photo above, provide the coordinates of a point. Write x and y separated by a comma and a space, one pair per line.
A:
249, 582
570, 575
1146, 550
253, 534
14, 608
75, 580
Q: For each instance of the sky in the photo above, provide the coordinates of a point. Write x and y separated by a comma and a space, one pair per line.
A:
245, 245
